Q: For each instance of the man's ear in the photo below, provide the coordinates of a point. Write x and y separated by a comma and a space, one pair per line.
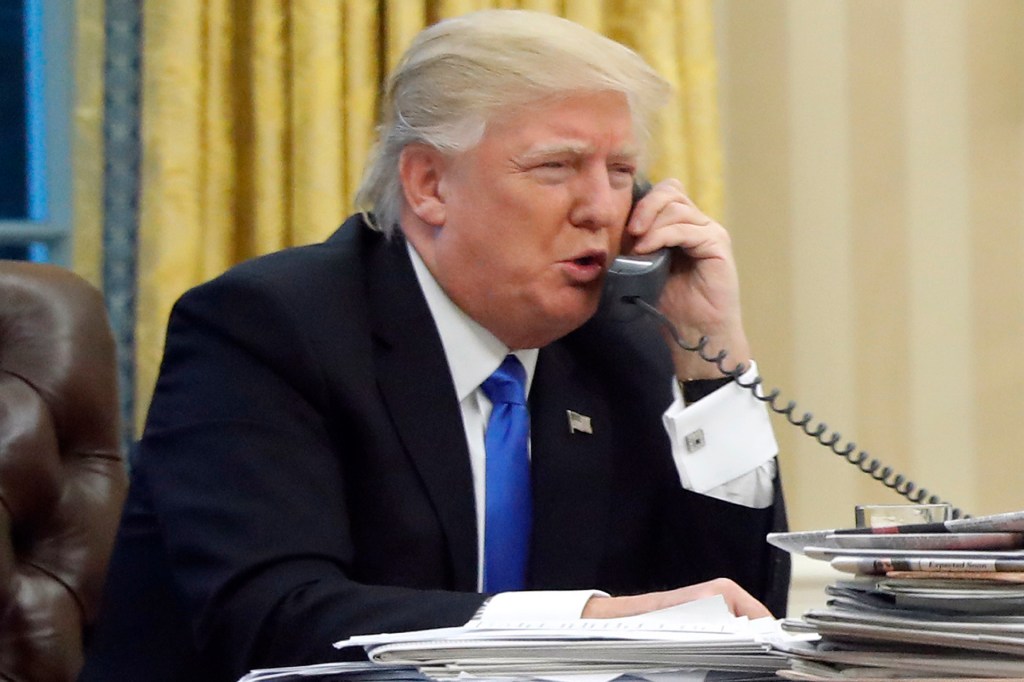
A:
420, 168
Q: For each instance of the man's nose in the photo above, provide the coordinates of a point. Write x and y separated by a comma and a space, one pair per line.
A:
597, 205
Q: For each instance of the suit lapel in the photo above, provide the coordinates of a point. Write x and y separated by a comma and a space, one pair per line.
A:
416, 384
571, 474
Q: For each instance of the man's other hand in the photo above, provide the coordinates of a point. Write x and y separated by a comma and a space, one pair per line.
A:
739, 601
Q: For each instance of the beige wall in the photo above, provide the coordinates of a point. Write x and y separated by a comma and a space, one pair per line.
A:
875, 190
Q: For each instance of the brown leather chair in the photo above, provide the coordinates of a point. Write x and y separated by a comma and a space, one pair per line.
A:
62, 477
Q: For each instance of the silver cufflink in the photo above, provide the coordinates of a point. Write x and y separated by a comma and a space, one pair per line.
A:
695, 440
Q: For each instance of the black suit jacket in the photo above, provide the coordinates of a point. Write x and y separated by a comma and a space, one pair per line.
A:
304, 475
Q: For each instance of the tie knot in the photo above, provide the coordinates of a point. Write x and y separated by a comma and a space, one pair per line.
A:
508, 383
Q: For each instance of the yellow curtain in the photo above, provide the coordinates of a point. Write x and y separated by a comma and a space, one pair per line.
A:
257, 117
87, 151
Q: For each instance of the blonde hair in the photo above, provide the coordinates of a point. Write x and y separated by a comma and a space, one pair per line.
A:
461, 72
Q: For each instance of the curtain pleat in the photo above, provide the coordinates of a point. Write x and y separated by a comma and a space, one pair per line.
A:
362, 84
269, 158
218, 164
87, 152
172, 231
259, 114
549, 6
404, 21
694, 61
452, 8
589, 13
316, 130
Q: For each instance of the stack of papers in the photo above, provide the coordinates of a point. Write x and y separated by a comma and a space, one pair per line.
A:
338, 672
692, 642
937, 604
700, 635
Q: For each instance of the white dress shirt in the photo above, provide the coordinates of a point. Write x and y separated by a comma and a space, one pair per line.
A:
736, 462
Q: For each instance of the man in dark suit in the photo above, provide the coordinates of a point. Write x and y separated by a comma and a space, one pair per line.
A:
313, 461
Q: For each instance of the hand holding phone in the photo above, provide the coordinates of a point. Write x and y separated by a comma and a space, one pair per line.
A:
692, 278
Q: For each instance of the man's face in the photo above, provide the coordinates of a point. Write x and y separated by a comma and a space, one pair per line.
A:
533, 215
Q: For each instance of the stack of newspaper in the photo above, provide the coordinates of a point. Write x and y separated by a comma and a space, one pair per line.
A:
932, 600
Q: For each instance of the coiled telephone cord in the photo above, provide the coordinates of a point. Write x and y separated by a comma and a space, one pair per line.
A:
819, 430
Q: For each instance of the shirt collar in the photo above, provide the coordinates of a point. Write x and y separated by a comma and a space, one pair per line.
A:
473, 353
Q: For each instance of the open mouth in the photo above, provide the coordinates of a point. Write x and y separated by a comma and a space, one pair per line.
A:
588, 261
587, 267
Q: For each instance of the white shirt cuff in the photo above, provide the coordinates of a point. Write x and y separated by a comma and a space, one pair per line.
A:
537, 606
754, 489
725, 437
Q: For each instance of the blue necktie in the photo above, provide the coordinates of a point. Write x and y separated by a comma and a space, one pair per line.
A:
509, 506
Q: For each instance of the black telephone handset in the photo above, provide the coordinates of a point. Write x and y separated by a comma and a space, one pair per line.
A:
632, 287
635, 277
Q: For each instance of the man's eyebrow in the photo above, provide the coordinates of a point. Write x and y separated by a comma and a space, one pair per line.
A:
630, 154
579, 148
564, 147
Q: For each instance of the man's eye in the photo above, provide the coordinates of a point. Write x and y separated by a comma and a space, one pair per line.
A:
622, 176
553, 164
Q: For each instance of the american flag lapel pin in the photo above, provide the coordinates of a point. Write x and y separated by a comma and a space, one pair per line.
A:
579, 422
